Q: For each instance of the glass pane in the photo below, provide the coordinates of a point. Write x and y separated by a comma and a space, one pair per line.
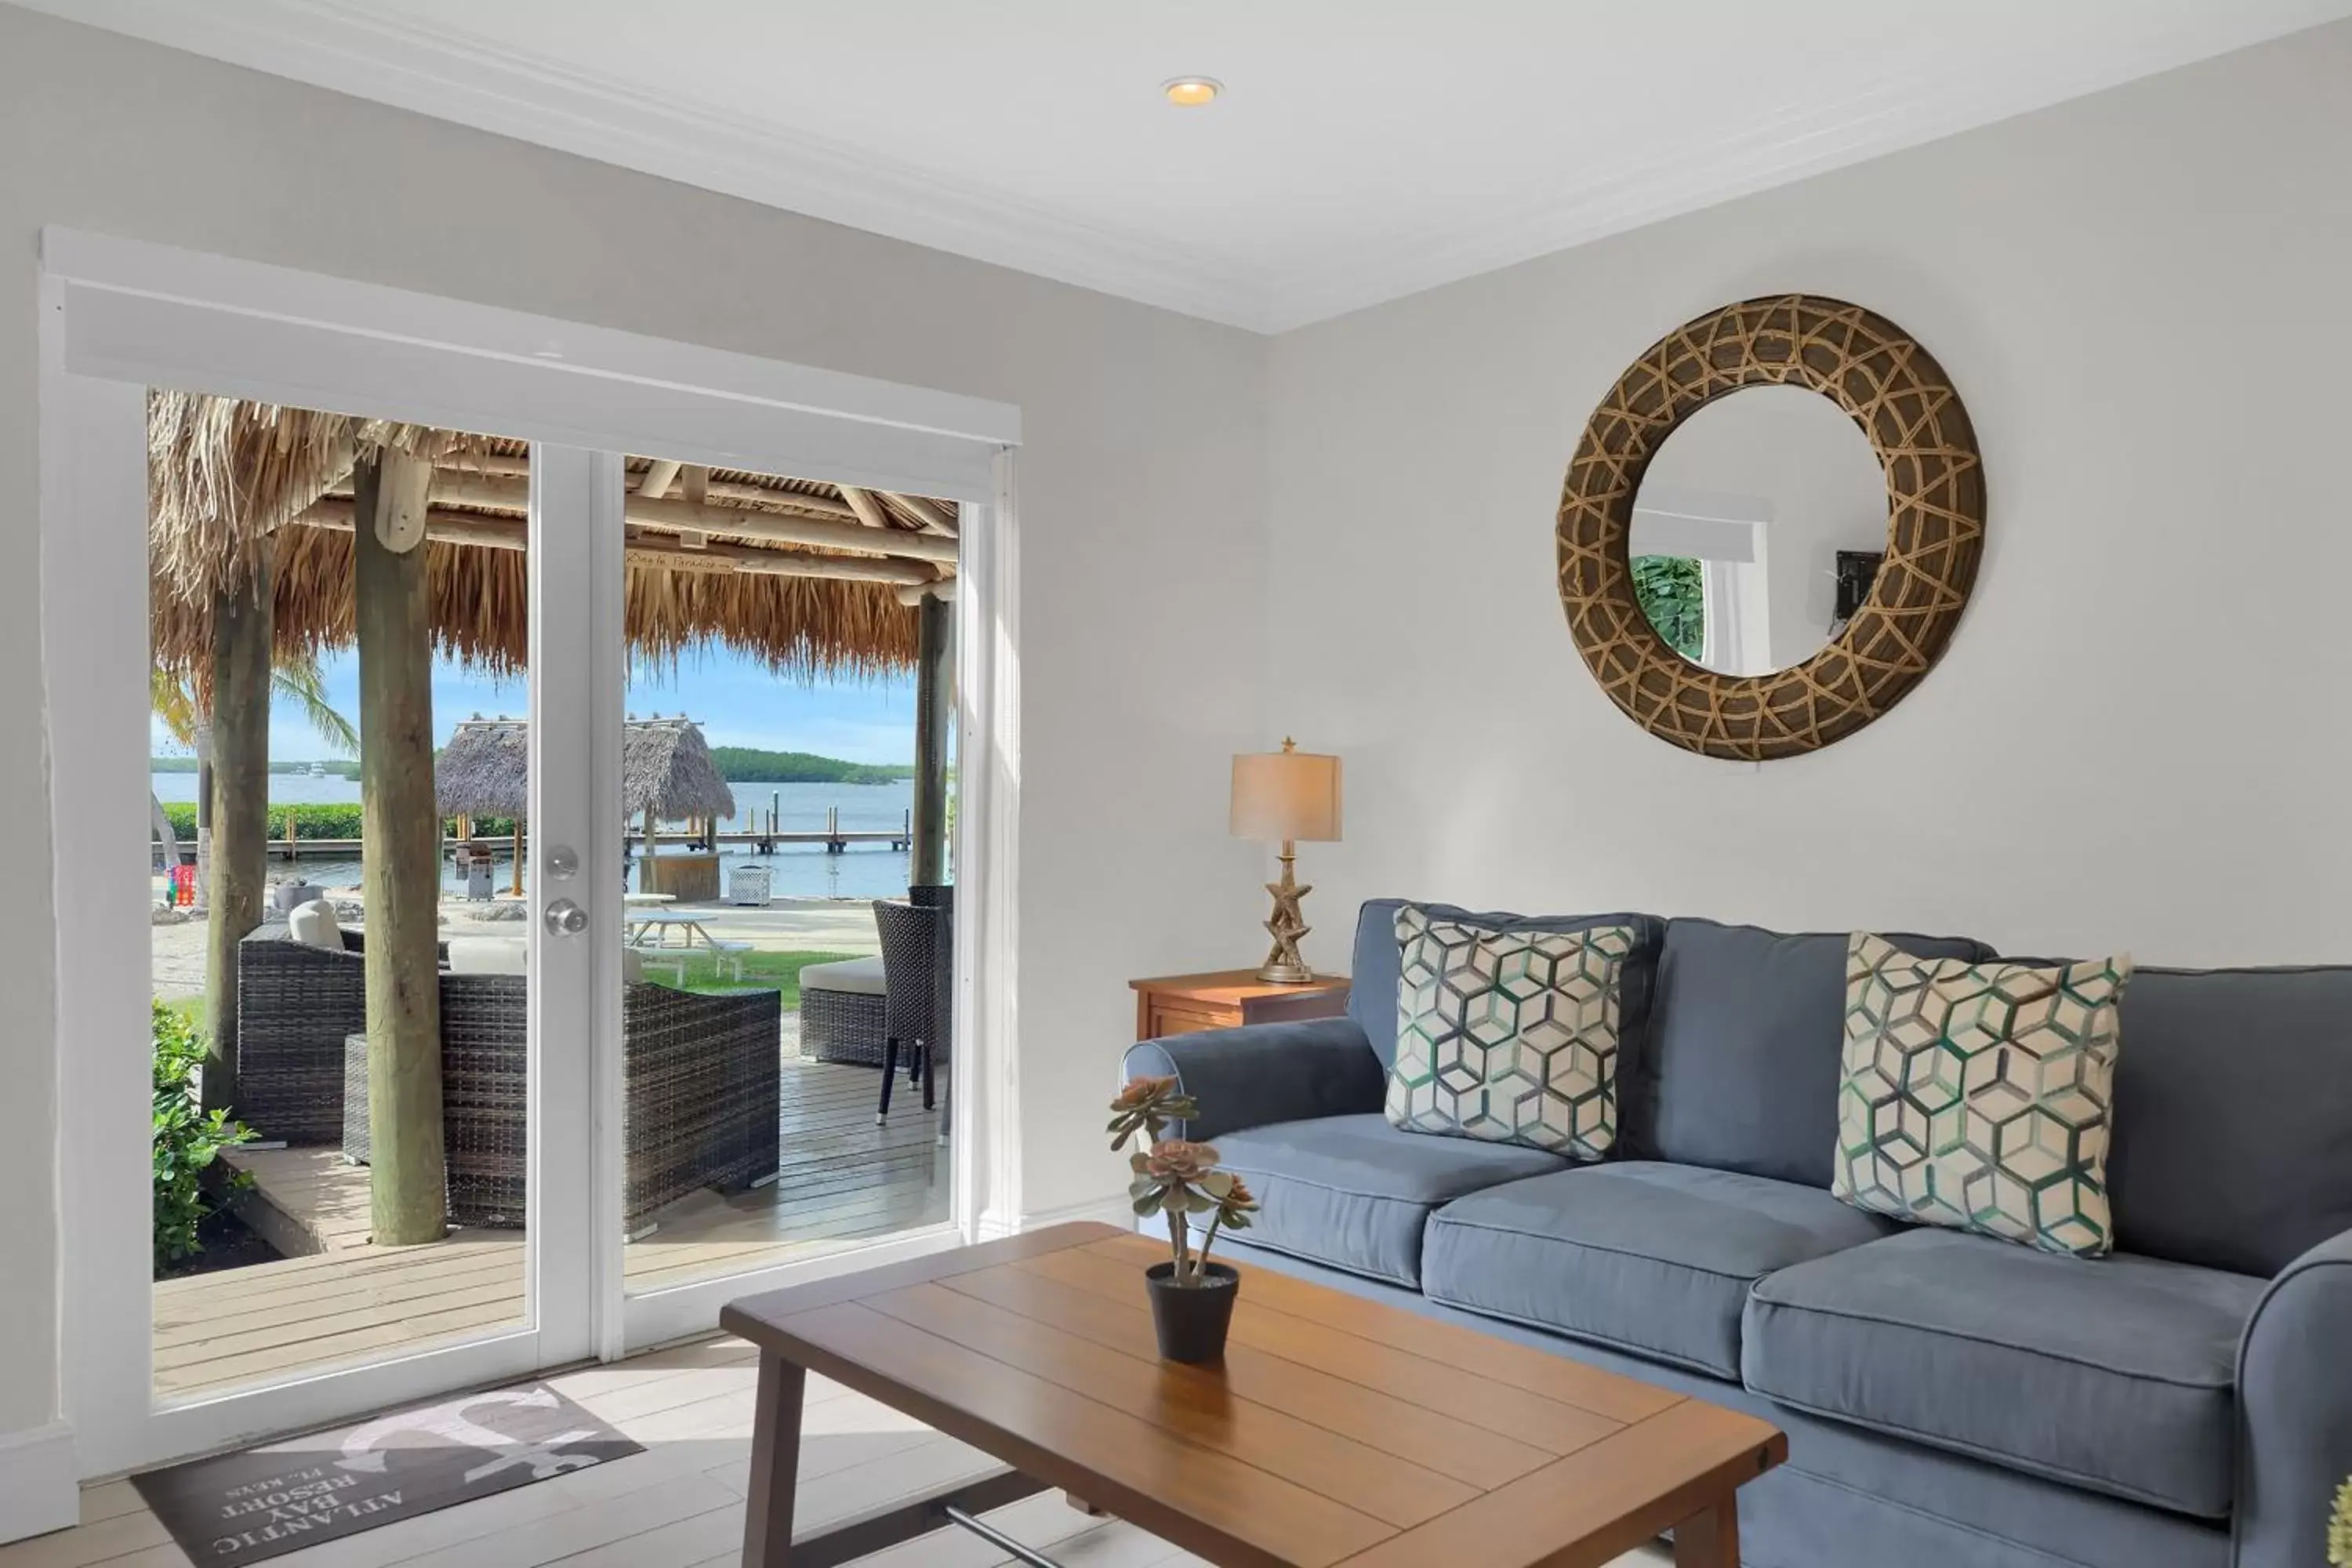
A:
773, 795
339, 1171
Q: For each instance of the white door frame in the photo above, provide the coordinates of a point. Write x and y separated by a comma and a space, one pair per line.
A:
118, 316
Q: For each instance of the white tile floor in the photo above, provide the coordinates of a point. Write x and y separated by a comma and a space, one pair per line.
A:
679, 1504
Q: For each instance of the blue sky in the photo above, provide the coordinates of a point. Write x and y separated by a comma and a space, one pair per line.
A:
737, 702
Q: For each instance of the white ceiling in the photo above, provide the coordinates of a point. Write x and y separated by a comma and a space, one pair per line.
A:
1365, 149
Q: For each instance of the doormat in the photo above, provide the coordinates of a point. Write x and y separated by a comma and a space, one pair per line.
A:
264, 1502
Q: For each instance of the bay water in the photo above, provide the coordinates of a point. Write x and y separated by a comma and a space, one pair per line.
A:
795, 871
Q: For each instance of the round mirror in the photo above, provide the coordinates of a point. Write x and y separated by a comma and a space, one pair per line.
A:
1756, 529
1863, 499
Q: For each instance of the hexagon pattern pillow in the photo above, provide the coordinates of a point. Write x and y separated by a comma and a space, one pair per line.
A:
1509, 1037
1979, 1096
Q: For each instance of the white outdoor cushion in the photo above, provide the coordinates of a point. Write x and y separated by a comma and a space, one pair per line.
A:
863, 976
313, 925
490, 955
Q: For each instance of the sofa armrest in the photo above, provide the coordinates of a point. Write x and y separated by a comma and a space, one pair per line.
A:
2295, 1403
1264, 1073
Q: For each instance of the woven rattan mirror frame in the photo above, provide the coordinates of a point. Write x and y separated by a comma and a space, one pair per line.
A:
1907, 407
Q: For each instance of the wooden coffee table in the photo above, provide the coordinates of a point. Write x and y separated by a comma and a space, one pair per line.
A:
1338, 1431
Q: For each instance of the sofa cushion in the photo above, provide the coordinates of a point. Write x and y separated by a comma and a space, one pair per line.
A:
2115, 1374
1745, 1031
2232, 1094
1655, 1259
1372, 989
1979, 1096
1354, 1193
1508, 1036
313, 925
490, 955
858, 976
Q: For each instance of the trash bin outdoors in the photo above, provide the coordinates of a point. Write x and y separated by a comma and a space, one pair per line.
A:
748, 885
474, 865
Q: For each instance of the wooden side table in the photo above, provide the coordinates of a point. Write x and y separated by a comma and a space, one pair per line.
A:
1228, 998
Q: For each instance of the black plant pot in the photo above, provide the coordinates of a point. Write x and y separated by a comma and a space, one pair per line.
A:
1193, 1319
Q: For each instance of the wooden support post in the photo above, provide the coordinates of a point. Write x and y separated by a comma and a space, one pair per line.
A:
290, 813
522, 841
240, 816
400, 857
934, 688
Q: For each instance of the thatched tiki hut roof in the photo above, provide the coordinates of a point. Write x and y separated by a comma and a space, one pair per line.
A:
809, 578
484, 770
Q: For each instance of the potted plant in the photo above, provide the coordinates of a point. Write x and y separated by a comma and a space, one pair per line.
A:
1191, 1298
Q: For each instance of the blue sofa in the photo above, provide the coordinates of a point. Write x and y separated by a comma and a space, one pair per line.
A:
1950, 1401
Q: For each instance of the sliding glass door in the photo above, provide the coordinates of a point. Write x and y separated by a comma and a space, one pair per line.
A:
541, 851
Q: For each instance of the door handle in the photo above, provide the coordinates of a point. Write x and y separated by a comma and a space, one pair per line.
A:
565, 917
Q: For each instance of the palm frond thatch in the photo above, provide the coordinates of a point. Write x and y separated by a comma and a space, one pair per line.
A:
484, 770
223, 475
226, 476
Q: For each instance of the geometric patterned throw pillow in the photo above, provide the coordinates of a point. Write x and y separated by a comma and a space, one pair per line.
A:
1980, 1096
1508, 1036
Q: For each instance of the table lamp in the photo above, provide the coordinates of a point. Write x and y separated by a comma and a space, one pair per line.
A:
1280, 797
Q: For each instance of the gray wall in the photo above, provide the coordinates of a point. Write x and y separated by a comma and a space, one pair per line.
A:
2136, 740
1142, 556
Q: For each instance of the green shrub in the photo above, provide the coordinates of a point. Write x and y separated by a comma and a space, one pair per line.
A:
187, 1141
311, 822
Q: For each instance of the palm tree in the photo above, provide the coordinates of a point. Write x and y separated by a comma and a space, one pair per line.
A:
187, 718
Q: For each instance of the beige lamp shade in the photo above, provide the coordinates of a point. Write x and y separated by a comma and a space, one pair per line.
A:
1285, 795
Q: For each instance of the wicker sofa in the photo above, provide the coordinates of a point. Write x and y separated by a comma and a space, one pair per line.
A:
701, 1095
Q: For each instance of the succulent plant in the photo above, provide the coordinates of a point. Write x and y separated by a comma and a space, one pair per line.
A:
1175, 1176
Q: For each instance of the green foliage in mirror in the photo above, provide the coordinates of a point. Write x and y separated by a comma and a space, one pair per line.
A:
1672, 594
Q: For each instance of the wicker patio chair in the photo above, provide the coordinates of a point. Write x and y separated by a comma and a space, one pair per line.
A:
938, 1064
701, 1096
839, 1025
295, 1004
915, 949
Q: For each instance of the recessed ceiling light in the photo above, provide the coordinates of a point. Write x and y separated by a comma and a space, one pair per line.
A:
1192, 91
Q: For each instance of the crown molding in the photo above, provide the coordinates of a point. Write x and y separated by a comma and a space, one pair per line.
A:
1887, 116
452, 77
338, 45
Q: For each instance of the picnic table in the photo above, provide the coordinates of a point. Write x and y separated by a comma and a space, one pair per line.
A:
650, 931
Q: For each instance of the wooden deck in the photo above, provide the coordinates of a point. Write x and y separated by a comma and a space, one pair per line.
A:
842, 1180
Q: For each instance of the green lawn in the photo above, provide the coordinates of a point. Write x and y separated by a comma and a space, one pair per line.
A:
762, 971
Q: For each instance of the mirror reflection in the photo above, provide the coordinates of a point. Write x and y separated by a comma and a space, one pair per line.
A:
1741, 524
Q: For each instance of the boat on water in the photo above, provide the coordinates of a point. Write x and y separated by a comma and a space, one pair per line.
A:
318, 771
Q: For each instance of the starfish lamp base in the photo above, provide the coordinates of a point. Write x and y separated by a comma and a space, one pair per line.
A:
1283, 965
